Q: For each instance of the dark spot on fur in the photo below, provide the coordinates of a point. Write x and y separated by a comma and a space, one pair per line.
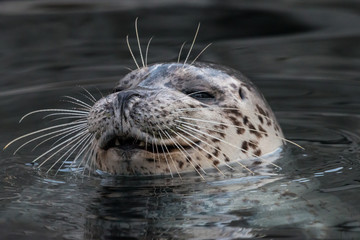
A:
216, 162
268, 122
209, 156
246, 120
257, 162
219, 133
261, 111
244, 146
227, 159
235, 112
181, 164
254, 131
233, 85
257, 152
240, 131
216, 152
150, 160
235, 121
252, 144
261, 119
262, 130
198, 167
188, 159
214, 140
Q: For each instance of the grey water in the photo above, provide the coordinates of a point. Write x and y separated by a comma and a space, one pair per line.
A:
303, 55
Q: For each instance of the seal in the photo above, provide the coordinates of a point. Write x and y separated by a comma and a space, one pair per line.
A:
165, 118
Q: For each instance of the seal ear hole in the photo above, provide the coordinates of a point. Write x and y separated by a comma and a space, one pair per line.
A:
242, 93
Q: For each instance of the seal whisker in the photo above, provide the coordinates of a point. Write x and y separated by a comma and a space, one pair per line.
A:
91, 97
85, 145
88, 156
202, 127
156, 148
163, 151
79, 106
200, 53
146, 52
167, 150
69, 114
176, 145
138, 41
185, 139
82, 128
73, 147
183, 150
63, 118
42, 130
246, 128
181, 48
211, 163
192, 44
71, 140
79, 102
242, 165
153, 150
232, 145
53, 110
132, 54
127, 68
188, 133
63, 145
61, 131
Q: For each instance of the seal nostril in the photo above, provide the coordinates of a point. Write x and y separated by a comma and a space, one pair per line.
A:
124, 96
117, 89
242, 94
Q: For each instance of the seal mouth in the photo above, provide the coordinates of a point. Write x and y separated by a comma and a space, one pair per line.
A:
131, 144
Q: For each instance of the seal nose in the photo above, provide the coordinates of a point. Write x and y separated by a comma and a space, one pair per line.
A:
123, 98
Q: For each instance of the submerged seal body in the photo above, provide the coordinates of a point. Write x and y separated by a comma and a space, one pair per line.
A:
172, 118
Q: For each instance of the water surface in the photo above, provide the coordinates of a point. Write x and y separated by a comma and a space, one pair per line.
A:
304, 56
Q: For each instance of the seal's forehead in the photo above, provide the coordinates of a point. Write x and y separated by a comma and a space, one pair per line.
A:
175, 74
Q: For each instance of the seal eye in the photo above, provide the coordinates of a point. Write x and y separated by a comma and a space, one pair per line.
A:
200, 95
241, 93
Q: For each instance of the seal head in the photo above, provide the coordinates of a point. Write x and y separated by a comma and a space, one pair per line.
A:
171, 118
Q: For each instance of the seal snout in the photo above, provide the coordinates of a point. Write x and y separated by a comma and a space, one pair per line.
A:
123, 98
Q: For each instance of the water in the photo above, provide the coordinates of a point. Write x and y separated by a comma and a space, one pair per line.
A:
304, 56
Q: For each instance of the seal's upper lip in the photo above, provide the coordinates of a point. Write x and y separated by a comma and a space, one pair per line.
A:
130, 143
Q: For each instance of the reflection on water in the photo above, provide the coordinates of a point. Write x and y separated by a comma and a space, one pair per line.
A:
303, 56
